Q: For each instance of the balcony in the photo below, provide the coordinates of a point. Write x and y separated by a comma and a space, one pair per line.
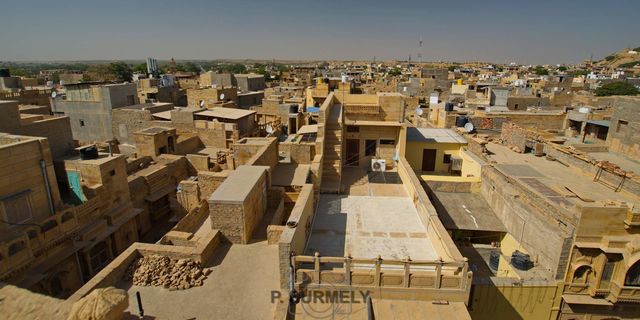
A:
632, 219
624, 294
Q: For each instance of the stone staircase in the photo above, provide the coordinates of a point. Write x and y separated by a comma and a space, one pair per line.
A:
332, 158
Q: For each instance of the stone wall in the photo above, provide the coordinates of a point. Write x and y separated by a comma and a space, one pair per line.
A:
208, 182
624, 133
544, 230
238, 219
114, 272
294, 236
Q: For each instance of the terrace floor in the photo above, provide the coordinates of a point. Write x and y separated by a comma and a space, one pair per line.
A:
239, 287
553, 180
368, 226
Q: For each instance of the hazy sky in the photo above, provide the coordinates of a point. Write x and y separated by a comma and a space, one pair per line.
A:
560, 31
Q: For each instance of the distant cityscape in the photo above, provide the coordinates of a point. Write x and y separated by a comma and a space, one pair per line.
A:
284, 189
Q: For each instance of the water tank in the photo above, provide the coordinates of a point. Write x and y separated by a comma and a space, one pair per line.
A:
448, 107
521, 261
88, 153
494, 260
461, 121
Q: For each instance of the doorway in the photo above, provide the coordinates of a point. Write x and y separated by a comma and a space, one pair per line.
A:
352, 153
429, 159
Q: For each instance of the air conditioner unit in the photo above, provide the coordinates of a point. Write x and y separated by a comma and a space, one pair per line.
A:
378, 165
456, 164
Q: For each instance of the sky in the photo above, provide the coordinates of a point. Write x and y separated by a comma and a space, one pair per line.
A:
500, 31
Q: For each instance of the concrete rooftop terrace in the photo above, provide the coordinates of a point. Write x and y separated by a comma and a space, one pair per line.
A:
239, 287
372, 219
366, 226
551, 179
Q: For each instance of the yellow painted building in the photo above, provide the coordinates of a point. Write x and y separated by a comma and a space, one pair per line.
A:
439, 154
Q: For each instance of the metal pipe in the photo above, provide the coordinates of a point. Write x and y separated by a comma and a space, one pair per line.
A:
43, 167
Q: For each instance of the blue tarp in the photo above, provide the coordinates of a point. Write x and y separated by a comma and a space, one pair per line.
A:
313, 109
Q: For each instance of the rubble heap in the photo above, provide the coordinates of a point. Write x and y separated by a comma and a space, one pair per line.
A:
157, 270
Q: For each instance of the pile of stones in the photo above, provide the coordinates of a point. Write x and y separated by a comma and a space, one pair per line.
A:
161, 271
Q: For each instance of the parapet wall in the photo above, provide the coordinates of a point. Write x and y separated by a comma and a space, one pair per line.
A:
295, 234
442, 242
115, 271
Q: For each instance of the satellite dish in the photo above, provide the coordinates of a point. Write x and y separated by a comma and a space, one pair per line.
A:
269, 129
202, 103
222, 96
419, 111
54, 94
468, 127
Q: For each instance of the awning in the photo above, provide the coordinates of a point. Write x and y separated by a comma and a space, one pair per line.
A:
602, 123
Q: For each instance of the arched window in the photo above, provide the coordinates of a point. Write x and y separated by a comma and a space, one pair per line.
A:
633, 276
16, 247
582, 274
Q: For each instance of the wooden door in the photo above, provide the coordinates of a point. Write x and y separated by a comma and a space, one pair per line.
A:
429, 159
352, 154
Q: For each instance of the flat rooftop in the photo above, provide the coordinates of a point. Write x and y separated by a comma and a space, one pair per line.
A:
434, 135
368, 226
239, 287
467, 211
290, 174
237, 186
623, 162
225, 113
554, 181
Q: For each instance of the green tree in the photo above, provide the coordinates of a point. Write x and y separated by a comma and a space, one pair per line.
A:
188, 67
562, 68
617, 89
541, 71
140, 68
609, 58
579, 72
121, 71
629, 64
395, 72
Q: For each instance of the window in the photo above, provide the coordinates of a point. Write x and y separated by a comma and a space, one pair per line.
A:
447, 158
99, 256
353, 129
582, 274
112, 172
388, 142
622, 126
16, 247
370, 147
131, 100
632, 278
16, 208
82, 123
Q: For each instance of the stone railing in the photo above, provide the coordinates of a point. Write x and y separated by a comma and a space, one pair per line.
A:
336, 272
624, 294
